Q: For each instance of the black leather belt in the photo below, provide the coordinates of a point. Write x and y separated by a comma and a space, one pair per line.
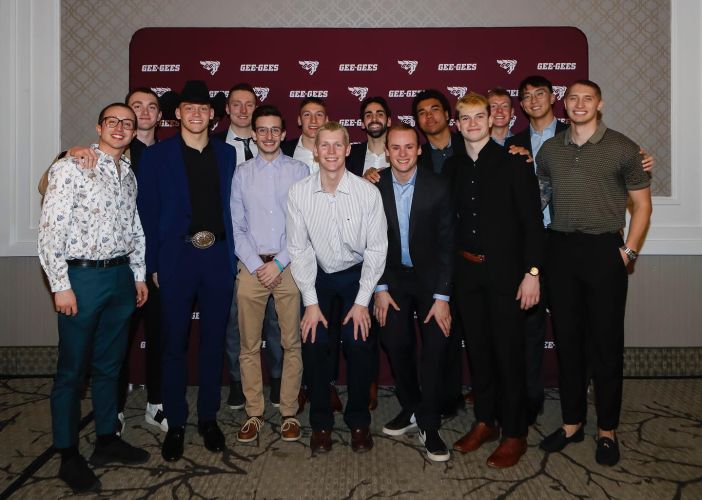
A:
117, 261
267, 258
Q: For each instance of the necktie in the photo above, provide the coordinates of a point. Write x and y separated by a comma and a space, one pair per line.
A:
247, 151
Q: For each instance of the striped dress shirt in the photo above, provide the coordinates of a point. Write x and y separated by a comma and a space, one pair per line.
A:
336, 231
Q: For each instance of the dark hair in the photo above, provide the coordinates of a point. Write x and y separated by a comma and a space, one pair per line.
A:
430, 94
241, 86
534, 81
498, 91
587, 83
101, 116
266, 110
401, 127
378, 100
143, 90
313, 100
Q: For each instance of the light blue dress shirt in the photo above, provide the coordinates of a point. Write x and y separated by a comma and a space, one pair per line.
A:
537, 140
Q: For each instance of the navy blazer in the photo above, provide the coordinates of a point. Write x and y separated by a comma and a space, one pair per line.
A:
164, 201
357, 158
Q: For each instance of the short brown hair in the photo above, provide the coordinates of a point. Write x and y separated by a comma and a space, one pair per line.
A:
587, 83
400, 127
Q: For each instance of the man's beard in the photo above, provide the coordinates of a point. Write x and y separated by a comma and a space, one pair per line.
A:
376, 132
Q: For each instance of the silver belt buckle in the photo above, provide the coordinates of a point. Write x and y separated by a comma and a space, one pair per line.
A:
203, 239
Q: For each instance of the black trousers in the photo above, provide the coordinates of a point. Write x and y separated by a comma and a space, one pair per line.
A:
398, 337
588, 282
493, 325
315, 355
150, 312
534, 336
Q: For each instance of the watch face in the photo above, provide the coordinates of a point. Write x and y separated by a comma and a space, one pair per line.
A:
534, 271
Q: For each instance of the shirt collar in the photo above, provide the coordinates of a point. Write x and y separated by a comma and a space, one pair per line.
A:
260, 160
410, 182
233, 135
551, 127
123, 160
343, 187
594, 138
441, 149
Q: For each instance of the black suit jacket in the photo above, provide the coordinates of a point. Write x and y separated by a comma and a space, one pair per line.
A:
510, 219
523, 138
288, 147
430, 232
222, 136
425, 160
357, 158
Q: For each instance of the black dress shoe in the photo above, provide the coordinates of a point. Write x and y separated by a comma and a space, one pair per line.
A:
321, 441
172, 448
558, 440
361, 440
211, 435
607, 451
75, 472
115, 450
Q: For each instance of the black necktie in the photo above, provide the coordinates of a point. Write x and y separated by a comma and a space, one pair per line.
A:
247, 151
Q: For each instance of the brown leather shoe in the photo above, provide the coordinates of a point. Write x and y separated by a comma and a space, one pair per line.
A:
373, 396
290, 429
508, 453
361, 440
470, 397
249, 431
301, 400
321, 441
334, 400
480, 433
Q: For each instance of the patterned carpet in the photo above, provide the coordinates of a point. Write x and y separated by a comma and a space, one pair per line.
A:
660, 438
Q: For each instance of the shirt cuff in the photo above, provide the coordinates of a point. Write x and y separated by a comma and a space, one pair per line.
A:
309, 298
363, 298
381, 288
439, 296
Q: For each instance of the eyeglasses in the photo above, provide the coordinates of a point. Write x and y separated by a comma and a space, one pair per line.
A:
274, 131
537, 95
113, 121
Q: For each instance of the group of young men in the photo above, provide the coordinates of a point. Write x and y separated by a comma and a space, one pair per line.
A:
299, 241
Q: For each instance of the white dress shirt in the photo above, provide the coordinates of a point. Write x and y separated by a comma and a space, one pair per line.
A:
336, 231
378, 162
306, 156
89, 213
239, 146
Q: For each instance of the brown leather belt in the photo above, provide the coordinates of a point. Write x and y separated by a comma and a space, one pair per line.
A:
472, 257
267, 258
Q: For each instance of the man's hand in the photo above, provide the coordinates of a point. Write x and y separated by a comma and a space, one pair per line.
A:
313, 315
647, 161
154, 277
625, 257
529, 291
361, 321
382, 302
86, 156
65, 302
267, 273
520, 150
276, 282
372, 175
441, 312
142, 293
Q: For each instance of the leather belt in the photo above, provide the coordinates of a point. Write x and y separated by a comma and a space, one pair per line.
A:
204, 239
472, 257
116, 261
267, 258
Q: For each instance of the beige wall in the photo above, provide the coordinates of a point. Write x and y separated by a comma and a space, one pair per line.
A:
629, 44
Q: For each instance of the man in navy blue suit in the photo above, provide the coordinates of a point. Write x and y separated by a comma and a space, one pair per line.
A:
184, 188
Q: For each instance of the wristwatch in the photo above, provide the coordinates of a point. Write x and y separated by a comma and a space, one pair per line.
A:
631, 254
534, 271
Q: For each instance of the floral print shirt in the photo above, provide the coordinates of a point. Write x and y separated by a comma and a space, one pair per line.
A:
89, 213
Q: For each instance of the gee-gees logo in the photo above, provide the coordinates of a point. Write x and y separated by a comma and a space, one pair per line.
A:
261, 93
309, 66
407, 119
211, 66
404, 92
512, 120
358, 67
409, 66
152, 68
258, 67
457, 67
457, 91
160, 90
507, 64
359, 92
555, 66
309, 93
559, 90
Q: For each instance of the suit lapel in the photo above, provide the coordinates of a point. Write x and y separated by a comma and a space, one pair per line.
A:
416, 199
388, 195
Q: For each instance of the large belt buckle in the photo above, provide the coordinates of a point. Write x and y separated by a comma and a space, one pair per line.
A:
203, 239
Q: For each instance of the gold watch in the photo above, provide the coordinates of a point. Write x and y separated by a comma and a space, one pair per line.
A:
534, 271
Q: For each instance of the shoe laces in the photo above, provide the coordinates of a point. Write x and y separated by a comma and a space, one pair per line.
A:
288, 422
255, 421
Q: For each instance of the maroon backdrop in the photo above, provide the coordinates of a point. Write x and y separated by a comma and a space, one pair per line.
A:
344, 65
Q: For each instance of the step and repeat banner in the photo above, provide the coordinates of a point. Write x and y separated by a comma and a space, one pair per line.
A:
342, 66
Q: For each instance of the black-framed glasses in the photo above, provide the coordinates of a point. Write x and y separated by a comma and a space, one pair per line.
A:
274, 131
113, 121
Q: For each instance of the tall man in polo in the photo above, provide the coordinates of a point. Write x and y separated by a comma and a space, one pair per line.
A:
587, 173
258, 203
417, 278
91, 246
499, 242
337, 241
184, 191
241, 103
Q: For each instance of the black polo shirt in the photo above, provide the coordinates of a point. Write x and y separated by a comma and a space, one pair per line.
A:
203, 183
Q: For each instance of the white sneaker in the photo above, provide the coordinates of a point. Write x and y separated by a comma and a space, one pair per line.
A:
122, 424
154, 415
